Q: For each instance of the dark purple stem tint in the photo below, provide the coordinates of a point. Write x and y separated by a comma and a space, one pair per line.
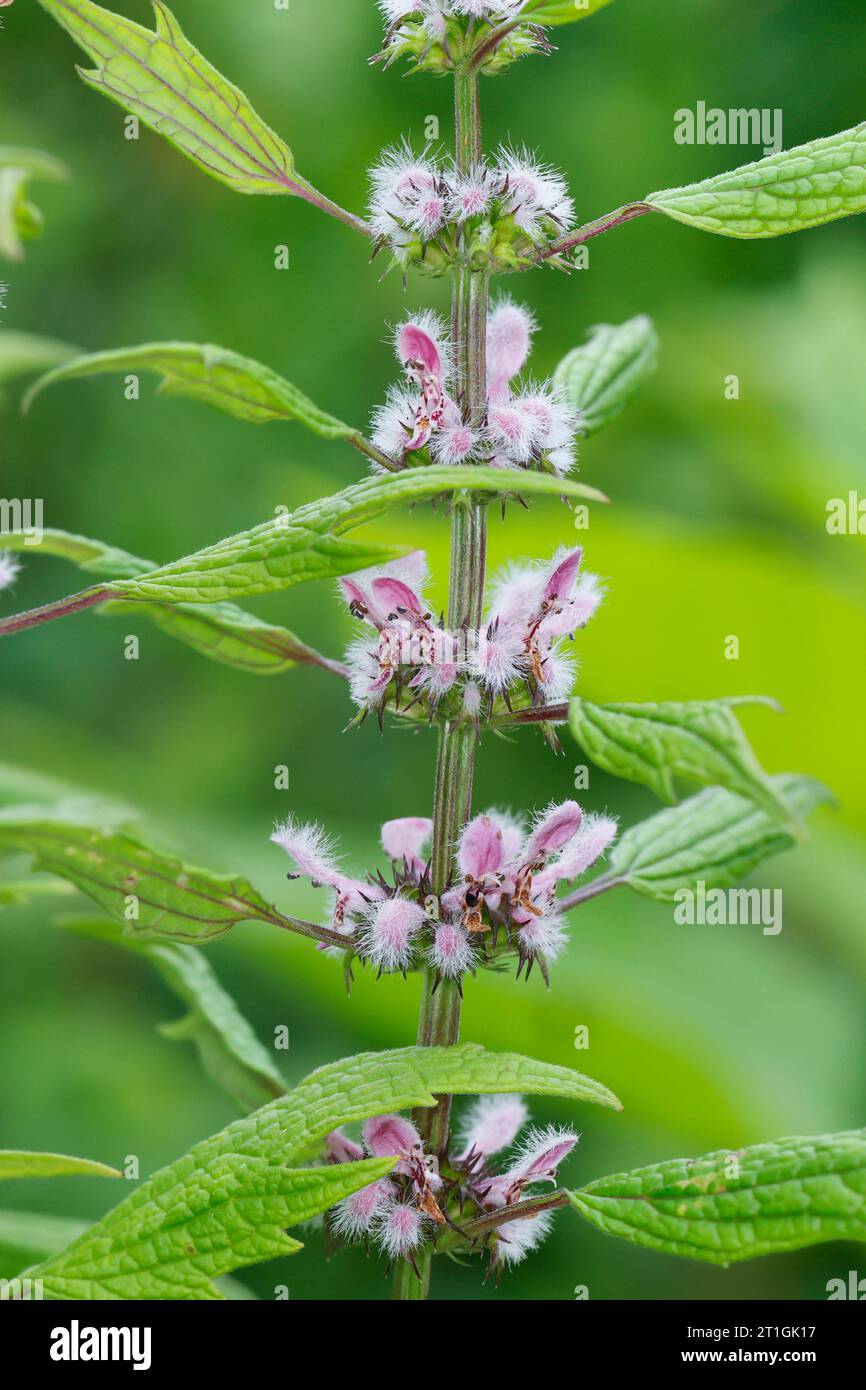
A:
593, 229
61, 609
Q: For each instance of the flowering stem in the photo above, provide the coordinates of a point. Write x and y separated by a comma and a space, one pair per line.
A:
439, 1021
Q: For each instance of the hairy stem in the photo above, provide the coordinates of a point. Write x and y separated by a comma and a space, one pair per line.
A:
439, 1021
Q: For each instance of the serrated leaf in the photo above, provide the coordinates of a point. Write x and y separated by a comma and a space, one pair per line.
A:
241, 387
172, 899
19, 219
228, 634
161, 78
223, 632
715, 837
600, 377
229, 1050
227, 1203
554, 12
17, 1163
307, 544
763, 1200
698, 739
786, 192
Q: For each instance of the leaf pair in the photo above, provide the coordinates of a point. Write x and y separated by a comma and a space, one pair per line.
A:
303, 545
225, 633
228, 1202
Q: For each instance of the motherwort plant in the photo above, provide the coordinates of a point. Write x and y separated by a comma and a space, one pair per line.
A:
459, 889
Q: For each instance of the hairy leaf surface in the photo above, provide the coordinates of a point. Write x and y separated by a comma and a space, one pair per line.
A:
769, 1198
600, 377
786, 192
698, 739
171, 898
228, 1202
237, 385
715, 838
222, 631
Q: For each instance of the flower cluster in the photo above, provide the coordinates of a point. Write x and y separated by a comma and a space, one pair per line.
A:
436, 35
503, 904
518, 656
497, 214
399, 1212
533, 427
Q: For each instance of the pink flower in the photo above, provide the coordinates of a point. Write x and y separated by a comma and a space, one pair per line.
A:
312, 852
493, 1124
421, 345
399, 1230
341, 1149
538, 1162
534, 192
509, 337
391, 1136
356, 1215
451, 954
517, 1239
405, 194
389, 934
532, 608
406, 839
509, 879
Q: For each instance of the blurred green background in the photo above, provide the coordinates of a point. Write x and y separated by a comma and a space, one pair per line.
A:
712, 1037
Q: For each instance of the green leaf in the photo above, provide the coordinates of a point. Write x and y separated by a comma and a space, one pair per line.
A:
308, 544
26, 1237
19, 219
231, 636
600, 378
16, 1163
161, 78
21, 354
95, 557
172, 900
229, 1050
554, 12
237, 385
786, 192
223, 632
727, 1206
715, 837
698, 739
227, 1203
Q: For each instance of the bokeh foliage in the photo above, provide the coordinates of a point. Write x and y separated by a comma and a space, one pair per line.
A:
711, 1036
